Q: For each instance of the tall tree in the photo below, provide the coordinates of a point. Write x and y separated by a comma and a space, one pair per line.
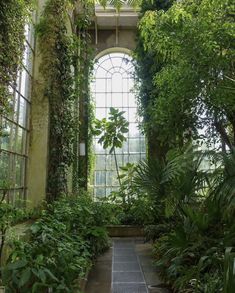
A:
147, 66
195, 41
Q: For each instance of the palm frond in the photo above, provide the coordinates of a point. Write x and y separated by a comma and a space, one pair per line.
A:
149, 176
224, 183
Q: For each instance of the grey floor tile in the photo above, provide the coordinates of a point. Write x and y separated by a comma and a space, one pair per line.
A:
126, 267
129, 288
125, 258
128, 277
124, 251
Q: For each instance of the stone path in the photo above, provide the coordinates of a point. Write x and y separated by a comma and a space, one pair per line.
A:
127, 275
126, 268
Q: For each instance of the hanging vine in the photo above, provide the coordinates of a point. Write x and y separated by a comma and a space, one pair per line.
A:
13, 16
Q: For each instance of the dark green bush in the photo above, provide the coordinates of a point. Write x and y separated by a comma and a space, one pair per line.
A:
64, 241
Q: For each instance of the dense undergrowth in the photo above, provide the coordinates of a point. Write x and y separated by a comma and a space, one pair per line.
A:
185, 67
61, 247
191, 212
195, 232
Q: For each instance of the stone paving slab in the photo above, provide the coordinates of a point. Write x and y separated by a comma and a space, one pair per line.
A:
125, 258
124, 252
128, 277
129, 288
126, 268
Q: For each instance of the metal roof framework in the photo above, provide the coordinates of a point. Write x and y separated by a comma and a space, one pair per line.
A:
110, 18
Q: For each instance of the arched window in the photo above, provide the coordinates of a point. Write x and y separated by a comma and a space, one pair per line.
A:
114, 87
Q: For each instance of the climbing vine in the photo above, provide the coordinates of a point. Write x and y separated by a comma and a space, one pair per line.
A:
13, 16
146, 69
84, 65
66, 66
56, 49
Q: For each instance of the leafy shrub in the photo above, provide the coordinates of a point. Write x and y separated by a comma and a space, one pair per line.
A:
63, 243
131, 205
191, 239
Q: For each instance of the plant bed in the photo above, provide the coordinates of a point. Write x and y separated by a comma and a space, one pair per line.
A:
125, 231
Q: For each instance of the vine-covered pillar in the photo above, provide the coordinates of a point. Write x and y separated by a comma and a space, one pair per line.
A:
83, 112
39, 125
84, 65
56, 51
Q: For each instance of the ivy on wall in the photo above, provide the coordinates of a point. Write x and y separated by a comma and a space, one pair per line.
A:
84, 65
66, 66
56, 49
13, 16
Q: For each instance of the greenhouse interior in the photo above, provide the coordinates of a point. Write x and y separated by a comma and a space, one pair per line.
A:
117, 146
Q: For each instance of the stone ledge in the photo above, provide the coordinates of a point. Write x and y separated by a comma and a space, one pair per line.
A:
125, 231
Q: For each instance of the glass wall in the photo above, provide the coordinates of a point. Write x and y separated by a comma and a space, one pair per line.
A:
14, 143
113, 87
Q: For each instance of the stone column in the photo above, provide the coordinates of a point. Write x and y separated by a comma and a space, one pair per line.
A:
39, 126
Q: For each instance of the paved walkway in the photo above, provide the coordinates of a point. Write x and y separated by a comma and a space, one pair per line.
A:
126, 268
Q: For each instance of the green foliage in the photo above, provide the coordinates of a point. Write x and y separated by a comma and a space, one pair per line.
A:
147, 64
57, 56
9, 216
112, 132
63, 243
133, 206
13, 16
195, 222
83, 64
193, 41
229, 274
185, 67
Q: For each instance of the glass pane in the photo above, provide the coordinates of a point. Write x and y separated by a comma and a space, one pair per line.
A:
116, 60
100, 192
100, 100
98, 148
4, 168
100, 113
134, 145
142, 145
110, 177
101, 85
100, 162
19, 141
131, 84
100, 73
19, 169
132, 100
22, 112
132, 114
125, 159
108, 100
100, 178
125, 100
117, 82
110, 162
117, 100
134, 130
134, 158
